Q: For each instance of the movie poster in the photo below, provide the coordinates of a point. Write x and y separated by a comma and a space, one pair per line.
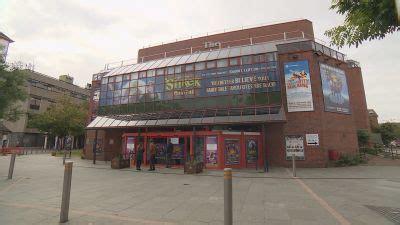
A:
161, 149
335, 89
251, 150
232, 152
211, 151
294, 145
177, 152
298, 86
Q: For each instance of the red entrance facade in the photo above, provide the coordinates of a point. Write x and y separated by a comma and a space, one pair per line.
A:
214, 149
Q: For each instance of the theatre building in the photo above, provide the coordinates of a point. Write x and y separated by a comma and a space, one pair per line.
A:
247, 98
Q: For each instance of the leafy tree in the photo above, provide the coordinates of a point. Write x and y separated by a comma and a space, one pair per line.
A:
365, 20
388, 132
363, 137
12, 89
62, 118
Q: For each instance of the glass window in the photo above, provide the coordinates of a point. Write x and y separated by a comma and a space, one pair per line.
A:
110, 94
111, 79
210, 64
222, 63
109, 101
271, 56
160, 72
118, 86
259, 58
170, 70
124, 100
104, 81
133, 91
150, 73
132, 99
110, 87
134, 76
189, 67
142, 74
118, 78
125, 92
117, 93
125, 84
246, 60
160, 80
200, 66
127, 77
117, 101
178, 69
233, 62
133, 83
104, 87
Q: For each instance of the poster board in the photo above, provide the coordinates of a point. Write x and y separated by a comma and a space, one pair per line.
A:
294, 145
232, 151
298, 86
335, 89
312, 139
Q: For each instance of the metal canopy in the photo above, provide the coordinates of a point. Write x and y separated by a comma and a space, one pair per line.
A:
274, 114
199, 57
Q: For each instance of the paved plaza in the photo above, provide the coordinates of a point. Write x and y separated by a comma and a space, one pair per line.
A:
101, 195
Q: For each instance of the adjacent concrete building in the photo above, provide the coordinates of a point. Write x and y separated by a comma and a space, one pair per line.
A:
42, 91
243, 99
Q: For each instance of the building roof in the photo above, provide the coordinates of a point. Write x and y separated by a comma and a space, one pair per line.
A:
222, 53
372, 112
2, 35
4, 128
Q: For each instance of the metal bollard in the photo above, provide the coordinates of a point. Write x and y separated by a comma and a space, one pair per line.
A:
11, 169
228, 216
65, 156
66, 192
294, 165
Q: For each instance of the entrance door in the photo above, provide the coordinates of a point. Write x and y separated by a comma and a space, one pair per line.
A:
232, 152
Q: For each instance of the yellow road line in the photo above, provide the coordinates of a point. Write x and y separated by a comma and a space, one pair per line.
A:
322, 202
86, 213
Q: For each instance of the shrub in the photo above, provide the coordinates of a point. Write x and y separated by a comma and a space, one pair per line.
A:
349, 160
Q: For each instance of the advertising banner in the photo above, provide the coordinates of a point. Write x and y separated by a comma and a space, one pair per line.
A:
251, 150
211, 151
232, 152
335, 89
177, 152
298, 86
294, 145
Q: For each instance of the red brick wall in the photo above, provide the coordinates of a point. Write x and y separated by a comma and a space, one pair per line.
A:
357, 97
336, 131
234, 38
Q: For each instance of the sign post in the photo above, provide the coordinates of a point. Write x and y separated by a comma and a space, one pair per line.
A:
294, 164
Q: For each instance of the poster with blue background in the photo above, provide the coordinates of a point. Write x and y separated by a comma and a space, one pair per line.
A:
335, 89
298, 86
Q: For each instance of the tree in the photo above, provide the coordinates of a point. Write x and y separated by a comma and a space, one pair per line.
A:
365, 20
363, 137
12, 89
62, 119
388, 132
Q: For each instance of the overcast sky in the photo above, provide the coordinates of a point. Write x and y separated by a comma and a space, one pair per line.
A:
80, 37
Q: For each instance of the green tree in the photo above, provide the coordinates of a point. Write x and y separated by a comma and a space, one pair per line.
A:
365, 20
62, 118
363, 137
388, 132
12, 90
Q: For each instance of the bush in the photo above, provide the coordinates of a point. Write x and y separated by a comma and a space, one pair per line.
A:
349, 160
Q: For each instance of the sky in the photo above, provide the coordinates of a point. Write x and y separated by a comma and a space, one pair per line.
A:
79, 37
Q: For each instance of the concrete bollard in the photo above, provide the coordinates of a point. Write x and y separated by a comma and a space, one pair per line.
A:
65, 156
66, 192
228, 216
294, 165
11, 169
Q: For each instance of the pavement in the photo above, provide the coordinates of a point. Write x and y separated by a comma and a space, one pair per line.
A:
101, 195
